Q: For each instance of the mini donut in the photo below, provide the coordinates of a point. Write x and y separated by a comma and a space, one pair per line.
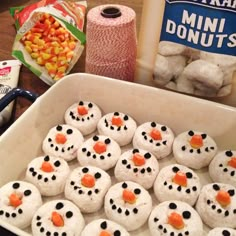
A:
118, 126
84, 116
86, 187
155, 138
100, 151
63, 141
174, 218
57, 217
216, 205
104, 227
128, 204
222, 231
48, 174
177, 182
194, 149
137, 165
167, 48
19, 201
222, 168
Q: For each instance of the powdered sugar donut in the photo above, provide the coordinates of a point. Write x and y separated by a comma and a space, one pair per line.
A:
19, 201
222, 231
104, 227
223, 167
128, 204
86, 187
155, 138
216, 205
57, 217
63, 141
118, 126
137, 165
175, 218
194, 149
48, 174
100, 151
84, 116
177, 182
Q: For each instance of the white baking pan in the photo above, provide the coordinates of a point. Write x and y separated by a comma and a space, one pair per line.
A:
23, 140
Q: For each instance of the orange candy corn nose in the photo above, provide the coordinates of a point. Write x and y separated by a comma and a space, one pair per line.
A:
82, 110
156, 134
196, 141
232, 162
57, 219
88, 181
99, 147
47, 167
180, 178
129, 196
15, 200
223, 198
116, 120
104, 233
60, 138
176, 220
138, 159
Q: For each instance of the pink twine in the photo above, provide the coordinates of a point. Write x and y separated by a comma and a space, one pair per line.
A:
111, 47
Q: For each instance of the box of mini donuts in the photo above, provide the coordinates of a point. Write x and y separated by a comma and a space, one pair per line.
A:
193, 50
92, 163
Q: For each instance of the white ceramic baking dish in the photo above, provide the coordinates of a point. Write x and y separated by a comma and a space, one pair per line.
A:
22, 141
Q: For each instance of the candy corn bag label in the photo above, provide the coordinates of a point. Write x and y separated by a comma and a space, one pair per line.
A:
51, 40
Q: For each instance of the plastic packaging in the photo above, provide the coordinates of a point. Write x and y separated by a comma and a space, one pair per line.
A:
9, 76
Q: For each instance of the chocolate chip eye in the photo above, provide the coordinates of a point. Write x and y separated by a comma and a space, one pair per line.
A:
175, 169
135, 150
103, 225
147, 155
204, 136
190, 133
69, 214
16, 185
137, 191
186, 214
69, 131
226, 233
107, 141
231, 192
81, 103
97, 175
126, 117
117, 233
57, 163
90, 105
85, 170
59, 128
229, 153
95, 138
46, 158
116, 113
163, 128
172, 206
216, 187
189, 175
124, 185
59, 205
27, 192
153, 124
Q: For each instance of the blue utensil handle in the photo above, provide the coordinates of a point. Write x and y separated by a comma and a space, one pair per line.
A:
13, 94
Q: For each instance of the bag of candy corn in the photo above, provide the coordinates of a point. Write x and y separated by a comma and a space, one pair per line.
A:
50, 37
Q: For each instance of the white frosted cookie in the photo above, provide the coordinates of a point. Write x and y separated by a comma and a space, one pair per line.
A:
57, 217
86, 187
216, 205
177, 182
19, 201
100, 151
137, 165
48, 174
155, 138
118, 126
175, 218
194, 149
128, 204
104, 227
63, 141
223, 167
222, 231
84, 116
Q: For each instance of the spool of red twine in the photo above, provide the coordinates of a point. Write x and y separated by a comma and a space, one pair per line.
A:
111, 46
